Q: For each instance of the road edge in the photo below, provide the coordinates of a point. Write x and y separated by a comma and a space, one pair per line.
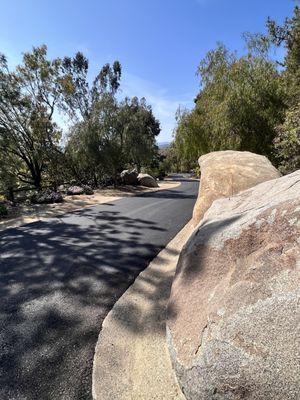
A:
41, 215
131, 359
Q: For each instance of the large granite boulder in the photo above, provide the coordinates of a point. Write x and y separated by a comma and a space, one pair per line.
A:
129, 177
225, 173
77, 190
233, 324
147, 180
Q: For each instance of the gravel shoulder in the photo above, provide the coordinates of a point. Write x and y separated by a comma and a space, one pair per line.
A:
40, 212
131, 359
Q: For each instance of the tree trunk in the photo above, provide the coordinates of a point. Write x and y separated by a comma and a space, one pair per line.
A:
37, 180
36, 174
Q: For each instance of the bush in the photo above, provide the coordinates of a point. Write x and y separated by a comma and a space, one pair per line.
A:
3, 210
287, 142
157, 173
198, 172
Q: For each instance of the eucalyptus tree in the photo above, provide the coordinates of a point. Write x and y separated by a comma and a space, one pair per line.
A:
93, 144
287, 140
28, 98
288, 36
138, 131
107, 134
240, 103
83, 100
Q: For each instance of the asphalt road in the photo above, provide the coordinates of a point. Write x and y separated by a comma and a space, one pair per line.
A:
59, 278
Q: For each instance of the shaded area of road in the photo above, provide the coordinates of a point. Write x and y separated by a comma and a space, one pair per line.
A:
59, 279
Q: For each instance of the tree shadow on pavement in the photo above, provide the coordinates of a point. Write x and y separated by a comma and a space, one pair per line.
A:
169, 194
154, 285
59, 279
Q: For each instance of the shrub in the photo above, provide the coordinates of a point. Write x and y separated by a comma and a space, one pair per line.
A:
3, 210
287, 142
198, 172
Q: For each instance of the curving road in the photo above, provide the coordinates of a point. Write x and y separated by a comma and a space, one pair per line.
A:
59, 278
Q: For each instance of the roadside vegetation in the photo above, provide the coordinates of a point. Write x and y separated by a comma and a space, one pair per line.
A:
249, 102
105, 135
246, 102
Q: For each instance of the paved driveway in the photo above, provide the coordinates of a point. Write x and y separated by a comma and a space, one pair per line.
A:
59, 278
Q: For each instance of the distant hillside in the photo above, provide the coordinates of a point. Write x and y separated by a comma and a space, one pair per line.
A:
163, 145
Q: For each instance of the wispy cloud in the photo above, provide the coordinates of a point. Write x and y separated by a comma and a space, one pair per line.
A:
163, 104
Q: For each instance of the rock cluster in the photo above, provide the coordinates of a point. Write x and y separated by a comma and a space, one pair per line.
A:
131, 177
47, 196
233, 317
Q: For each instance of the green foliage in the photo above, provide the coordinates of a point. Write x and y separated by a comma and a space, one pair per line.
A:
247, 102
198, 171
28, 135
173, 160
8, 180
110, 134
287, 141
3, 210
158, 167
105, 134
238, 107
138, 130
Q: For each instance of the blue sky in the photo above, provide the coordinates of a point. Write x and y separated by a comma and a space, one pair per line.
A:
158, 42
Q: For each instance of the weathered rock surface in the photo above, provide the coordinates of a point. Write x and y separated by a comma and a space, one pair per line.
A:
147, 180
47, 197
129, 177
234, 312
75, 190
225, 173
